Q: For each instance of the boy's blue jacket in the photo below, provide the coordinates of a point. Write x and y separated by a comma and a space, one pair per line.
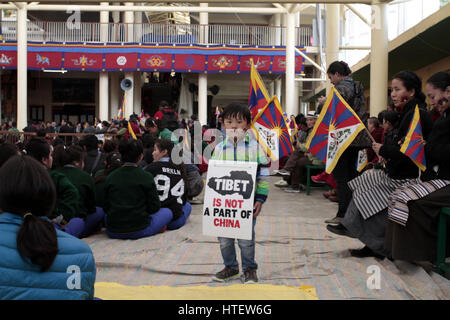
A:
22, 280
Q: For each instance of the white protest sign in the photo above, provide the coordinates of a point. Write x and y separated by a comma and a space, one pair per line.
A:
100, 137
229, 194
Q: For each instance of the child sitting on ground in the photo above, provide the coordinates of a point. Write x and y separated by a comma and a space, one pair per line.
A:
132, 205
170, 181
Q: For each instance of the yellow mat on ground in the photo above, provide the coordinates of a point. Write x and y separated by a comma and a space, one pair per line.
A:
116, 291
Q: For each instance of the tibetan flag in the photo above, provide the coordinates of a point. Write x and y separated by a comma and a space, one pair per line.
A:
335, 129
130, 130
120, 115
272, 131
414, 144
258, 96
362, 160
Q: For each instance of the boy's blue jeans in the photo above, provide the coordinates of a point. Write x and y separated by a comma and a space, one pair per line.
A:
228, 250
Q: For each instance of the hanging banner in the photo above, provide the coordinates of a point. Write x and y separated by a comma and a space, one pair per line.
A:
189, 63
262, 63
223, 63
156, 62
121, 61
83, 61
229, 199
195, 58
44, 60
8, 59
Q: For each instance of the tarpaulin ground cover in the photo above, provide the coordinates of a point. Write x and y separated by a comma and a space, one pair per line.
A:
293, 248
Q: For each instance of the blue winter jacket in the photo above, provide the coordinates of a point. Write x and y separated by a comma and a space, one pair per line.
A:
71, 276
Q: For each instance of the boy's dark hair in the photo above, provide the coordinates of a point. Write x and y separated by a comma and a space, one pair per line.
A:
393, 117
57, 142
374, 121
28, 188
130, 150
63, 156
150, 122
90, 142
411, 81
41, 133
440, 80
113, 161
236, 110
165, 144
340, 67
7, 150
110, 146
38, 149
381, 116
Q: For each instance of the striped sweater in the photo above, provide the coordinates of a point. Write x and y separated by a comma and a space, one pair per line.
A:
249, 150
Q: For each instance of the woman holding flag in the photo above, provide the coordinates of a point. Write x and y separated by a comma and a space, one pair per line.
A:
414, 211
367, 213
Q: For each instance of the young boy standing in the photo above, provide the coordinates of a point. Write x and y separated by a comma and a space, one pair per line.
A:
240, 145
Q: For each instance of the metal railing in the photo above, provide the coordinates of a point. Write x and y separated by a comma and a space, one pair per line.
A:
51, 31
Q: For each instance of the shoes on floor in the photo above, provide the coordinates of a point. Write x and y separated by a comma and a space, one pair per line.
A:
284, 172
250, 276
333, 198
335, 220
329, 193
292, 190
320, 178
340, 230
226, 274
281, 184
364, 253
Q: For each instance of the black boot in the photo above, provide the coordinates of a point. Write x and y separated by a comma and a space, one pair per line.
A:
364, 253
340, 230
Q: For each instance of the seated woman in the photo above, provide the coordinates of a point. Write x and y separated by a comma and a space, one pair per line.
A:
170, 181
132, 205
366, 216
70, 162
414, 209
65, 214
113, 161
38, 261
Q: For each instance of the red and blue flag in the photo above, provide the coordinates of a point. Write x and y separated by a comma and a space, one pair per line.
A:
414, 144
335, 129
258, 95
272, 131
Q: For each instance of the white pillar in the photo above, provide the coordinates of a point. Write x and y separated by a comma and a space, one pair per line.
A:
278, 88
103, 82
203, 78
116, 94
289, 104
138, 24
379, 60
277, 23
129, 97
129, 20
137, 92
332, 37
22, 65
116, 19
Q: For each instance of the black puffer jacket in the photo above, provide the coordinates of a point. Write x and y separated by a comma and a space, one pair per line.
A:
437, 149
398, 165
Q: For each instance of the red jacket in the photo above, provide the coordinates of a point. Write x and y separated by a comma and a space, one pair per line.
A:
159, 114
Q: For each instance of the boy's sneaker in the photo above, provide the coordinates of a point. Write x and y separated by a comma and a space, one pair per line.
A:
284, 172
292, 190
226, 274
250, 276
281, 184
